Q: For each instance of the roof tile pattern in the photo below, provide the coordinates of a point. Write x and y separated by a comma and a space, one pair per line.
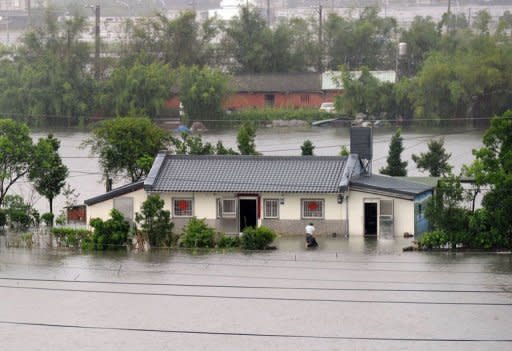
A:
187, 173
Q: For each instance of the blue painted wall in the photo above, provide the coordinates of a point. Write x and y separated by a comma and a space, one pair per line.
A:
421, 224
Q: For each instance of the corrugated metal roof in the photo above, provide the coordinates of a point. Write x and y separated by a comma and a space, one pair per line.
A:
330, 79
396, 185
305, 174
277, 82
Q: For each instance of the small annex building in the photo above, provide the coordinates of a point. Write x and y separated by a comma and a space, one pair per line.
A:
284, 193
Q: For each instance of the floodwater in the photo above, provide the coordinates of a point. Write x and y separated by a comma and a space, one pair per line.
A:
85, 175
350, 294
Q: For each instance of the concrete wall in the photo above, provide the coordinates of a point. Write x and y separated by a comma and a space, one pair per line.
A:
403, 211
102, 209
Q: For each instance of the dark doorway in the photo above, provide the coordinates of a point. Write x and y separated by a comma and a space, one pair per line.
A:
269, 100
248, 214
370, 218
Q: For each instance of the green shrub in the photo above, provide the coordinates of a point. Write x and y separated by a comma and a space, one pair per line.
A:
27, 239
47, 218
271, 114
71, 237
227, 242
257, 239
109, 234
433, 239
197, 234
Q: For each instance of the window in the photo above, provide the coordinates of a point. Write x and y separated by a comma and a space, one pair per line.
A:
125, 206
226, 208
304, 99
312, 208
271, 208
182, 207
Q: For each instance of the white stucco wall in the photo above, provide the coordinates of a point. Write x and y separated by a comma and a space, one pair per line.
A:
291, 209
102, 209
403, 211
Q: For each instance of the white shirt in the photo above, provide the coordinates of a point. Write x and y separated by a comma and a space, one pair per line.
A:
310, 229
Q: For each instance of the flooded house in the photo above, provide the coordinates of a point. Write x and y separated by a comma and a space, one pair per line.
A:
231, 192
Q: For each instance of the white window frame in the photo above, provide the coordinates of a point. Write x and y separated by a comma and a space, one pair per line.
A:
222, 205
265, 213
175, 200
303, 207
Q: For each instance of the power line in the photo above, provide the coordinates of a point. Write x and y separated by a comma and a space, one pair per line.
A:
262, 287
259, 298
246, 334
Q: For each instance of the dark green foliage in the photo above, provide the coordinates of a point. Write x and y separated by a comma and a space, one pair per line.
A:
493, 168
257, 239
127, 146
203, 92
228, 242
307, 148
197, 234
194, 145
3, 218
433, 240
435, 160
155, 222
47, 171
16, 154
344, 151
245, 139
395, 167
71, 237
109, 234
18, 212
48, 218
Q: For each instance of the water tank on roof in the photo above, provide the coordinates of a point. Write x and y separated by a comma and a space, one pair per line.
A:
402, 49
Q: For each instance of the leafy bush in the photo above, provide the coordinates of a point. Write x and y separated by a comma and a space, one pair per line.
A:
257, 239
433, 239
47, 218
111, 233
227, 242
483, 235
155, 221
271, 114
27, 239
71, 237
197, 234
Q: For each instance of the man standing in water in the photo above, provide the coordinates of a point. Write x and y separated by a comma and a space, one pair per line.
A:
310, 239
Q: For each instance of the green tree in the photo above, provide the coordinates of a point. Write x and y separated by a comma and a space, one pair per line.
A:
482, 22
245, 139
493, 168
126, 146
344, 151
16, 152
155, 221
47, 171
395, 167
307, 148
202, 92
421, 37
435, 161
109, 234
140, 90
176, 42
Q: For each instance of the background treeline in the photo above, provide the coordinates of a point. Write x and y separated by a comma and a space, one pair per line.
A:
452, 69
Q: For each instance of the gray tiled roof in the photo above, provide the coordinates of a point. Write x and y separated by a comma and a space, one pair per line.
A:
125, 189
183, 173
396, 185
277, 82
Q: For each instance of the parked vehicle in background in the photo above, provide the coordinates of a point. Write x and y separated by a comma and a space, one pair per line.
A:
328, 107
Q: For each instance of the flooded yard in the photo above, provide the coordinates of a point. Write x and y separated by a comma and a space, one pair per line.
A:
350, 294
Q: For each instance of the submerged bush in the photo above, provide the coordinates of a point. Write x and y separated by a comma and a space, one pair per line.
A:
227, 242
257, 239
433, 239
71, 237
110, 234
197, 234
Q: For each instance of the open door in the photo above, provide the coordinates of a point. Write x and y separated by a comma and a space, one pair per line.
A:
248, 213
370, 218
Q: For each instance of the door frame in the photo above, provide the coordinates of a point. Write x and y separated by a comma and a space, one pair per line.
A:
239, 217
377, 203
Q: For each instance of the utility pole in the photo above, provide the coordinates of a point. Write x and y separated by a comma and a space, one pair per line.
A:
97, 44
268, 13
29, 13
449, 6
320, 41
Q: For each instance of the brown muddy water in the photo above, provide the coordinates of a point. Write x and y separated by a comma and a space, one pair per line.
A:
350, 294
